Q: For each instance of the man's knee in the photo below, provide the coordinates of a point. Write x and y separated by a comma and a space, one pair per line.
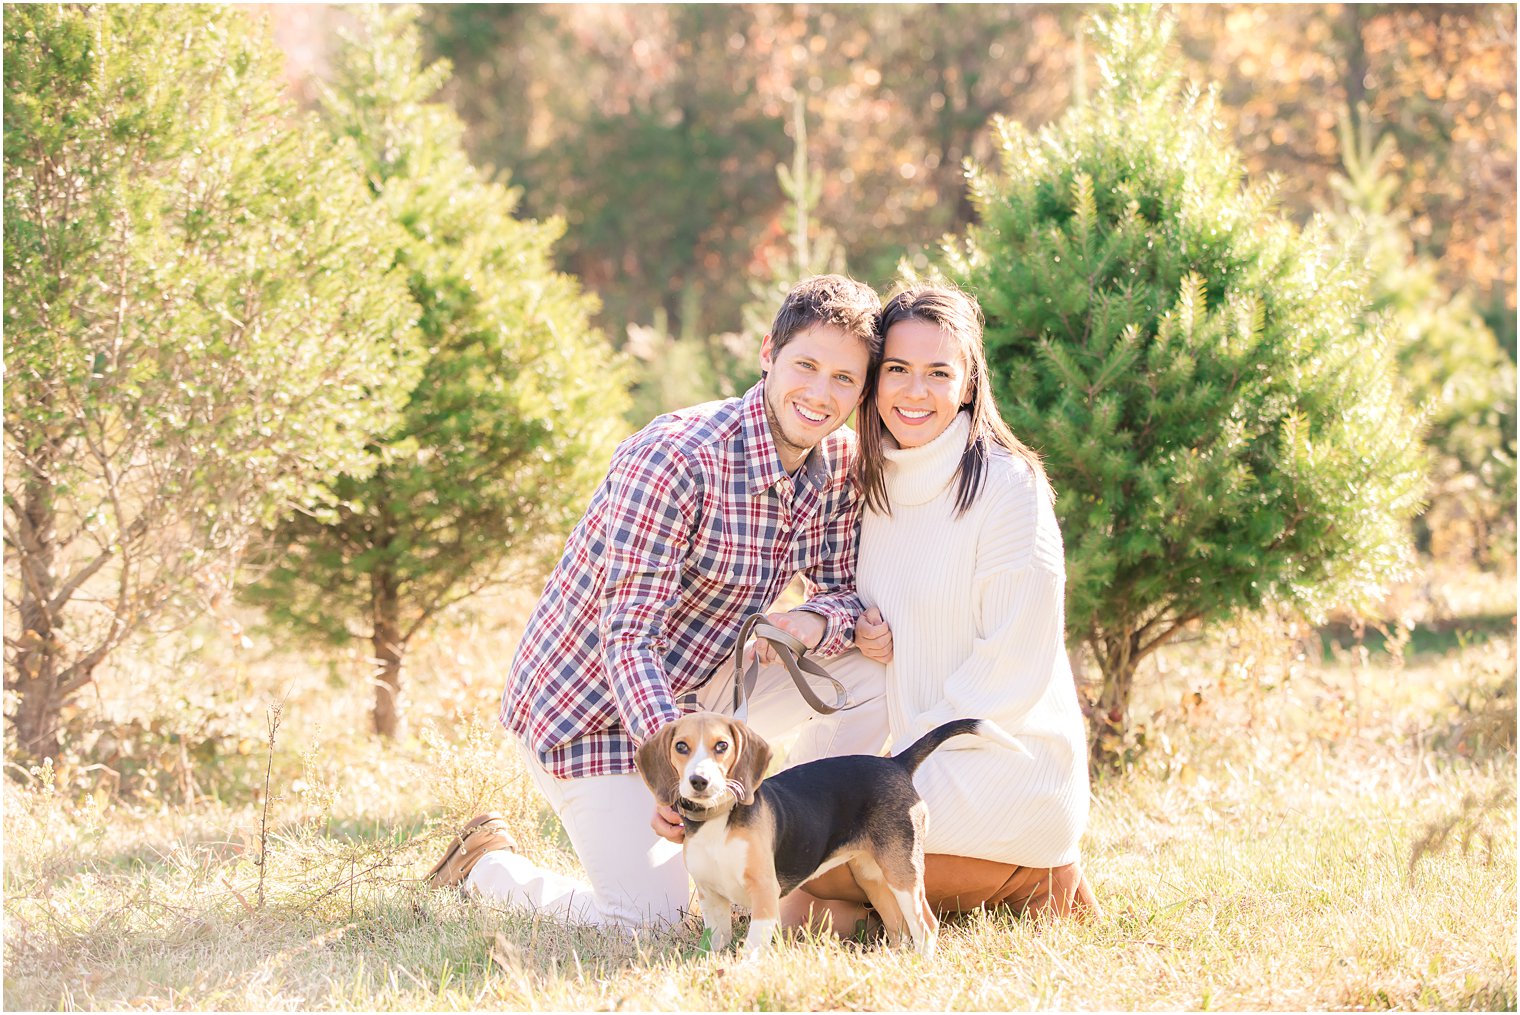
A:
645, 913
865, 679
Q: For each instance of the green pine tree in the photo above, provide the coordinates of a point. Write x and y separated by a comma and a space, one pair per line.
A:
684, 369
676, 370
518, 405
1217, 408
194, 332
1447, 353
811, 249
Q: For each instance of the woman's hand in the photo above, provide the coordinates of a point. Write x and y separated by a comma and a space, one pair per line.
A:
873, 636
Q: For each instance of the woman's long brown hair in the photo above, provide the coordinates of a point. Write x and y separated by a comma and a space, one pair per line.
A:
957, 315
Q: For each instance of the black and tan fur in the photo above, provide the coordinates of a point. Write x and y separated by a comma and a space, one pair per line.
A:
751, 839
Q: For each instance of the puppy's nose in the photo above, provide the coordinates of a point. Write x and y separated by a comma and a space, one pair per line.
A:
698, 782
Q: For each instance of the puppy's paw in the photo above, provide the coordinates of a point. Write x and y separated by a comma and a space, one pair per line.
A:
758, 941
751, 955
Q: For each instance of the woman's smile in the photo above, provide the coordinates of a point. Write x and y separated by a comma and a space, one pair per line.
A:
922, 383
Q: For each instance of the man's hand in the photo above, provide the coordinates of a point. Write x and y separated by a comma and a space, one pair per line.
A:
873, 636
804, 625
667, 824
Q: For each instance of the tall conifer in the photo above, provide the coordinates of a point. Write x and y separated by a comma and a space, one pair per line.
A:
1217, 407
194, 334
519, 402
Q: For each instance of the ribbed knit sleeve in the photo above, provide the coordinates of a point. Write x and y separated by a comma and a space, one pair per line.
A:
975, 601
1016, 604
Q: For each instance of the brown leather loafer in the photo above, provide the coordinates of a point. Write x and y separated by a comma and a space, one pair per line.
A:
478, 837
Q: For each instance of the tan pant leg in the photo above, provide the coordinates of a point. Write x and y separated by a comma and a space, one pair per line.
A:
959, 883
962, 883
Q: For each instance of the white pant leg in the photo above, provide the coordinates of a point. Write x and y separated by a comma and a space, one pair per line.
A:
635, 877
779, 714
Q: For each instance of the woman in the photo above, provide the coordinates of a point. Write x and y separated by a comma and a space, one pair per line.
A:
961, 564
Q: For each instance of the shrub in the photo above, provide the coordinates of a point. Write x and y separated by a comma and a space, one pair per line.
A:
195, 330
515, 413
1218, 411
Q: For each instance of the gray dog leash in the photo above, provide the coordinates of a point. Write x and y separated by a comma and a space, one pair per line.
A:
791, 651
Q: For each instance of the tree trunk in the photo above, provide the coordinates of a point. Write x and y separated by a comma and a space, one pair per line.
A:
1108, 722
1354, 73
35, 678
386, 603
36, 718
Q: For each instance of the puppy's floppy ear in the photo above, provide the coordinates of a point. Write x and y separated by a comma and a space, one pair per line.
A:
653, 763
752, 756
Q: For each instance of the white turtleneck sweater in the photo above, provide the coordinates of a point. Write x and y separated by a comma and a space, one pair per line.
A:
975, 604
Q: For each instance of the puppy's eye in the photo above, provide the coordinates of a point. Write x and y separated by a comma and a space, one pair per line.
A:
720, 747
681, 747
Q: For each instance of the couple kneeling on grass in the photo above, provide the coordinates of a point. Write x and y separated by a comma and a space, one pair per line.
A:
935, 575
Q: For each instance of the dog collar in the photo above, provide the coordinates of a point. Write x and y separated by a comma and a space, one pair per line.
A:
696, 814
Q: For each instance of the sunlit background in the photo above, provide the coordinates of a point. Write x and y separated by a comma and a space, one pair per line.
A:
655, 130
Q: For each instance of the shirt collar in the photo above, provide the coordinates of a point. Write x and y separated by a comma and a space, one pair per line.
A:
764, 461
760, 454
816, 468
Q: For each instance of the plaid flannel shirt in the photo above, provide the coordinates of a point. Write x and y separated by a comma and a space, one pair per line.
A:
695, 527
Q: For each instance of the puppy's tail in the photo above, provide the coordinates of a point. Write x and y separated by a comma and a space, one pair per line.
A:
930, 742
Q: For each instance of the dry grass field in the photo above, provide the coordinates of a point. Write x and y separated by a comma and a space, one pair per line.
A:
1305, 824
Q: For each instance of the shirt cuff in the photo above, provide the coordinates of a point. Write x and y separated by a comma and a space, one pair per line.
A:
838, 627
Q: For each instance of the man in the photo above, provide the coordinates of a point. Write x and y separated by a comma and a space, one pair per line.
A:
704, 517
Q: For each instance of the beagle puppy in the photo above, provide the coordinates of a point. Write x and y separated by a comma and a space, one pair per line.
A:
752, 839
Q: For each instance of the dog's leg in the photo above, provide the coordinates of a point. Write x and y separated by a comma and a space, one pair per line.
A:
903, 876
762, 926
926, 932
931, 924
765, 911
897, 879
903, 907
919, 916
718, 918
868, 875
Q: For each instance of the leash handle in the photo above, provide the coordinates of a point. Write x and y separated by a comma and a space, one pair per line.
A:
792, 652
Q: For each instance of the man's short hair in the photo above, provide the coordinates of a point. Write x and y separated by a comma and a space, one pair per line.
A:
843, 302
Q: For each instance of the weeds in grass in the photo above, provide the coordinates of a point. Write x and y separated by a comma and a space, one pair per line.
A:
262, 861
467, 774
1473, 822
1483, 720
1480, 725
1259, 854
